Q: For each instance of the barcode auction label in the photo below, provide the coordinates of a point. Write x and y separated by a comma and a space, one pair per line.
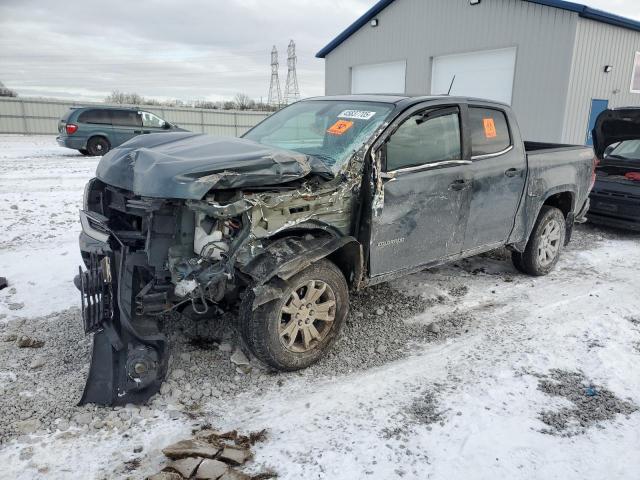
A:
357, 114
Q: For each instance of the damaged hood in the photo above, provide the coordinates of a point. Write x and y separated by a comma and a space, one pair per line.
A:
188, 165
613, 126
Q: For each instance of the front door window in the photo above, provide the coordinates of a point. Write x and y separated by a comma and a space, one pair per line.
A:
425, 138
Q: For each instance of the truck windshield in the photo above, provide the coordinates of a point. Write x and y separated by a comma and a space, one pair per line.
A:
327, 129
629, 150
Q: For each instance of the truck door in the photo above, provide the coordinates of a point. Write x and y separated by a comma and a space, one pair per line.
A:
499, 172
420, 217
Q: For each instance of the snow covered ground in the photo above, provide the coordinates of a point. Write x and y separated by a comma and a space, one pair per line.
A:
469, 401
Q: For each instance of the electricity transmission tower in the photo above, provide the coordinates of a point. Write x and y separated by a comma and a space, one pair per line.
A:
291, 91
275, 97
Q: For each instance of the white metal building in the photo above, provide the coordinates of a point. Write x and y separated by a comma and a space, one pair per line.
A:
557, 63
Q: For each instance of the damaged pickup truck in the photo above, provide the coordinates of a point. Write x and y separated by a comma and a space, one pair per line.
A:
328, 195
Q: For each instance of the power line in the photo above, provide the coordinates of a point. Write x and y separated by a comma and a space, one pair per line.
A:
291, 91
274, 86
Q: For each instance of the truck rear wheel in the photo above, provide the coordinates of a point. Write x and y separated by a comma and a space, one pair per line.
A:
544, 245
296, 330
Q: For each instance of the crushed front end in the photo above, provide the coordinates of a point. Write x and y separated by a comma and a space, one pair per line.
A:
145, 257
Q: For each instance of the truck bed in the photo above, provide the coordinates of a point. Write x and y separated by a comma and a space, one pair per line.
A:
539, 147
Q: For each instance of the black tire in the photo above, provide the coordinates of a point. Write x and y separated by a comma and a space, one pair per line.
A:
545, 244
98, 146
263, 327
83, 151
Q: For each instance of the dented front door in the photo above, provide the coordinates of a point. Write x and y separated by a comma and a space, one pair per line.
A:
420, 214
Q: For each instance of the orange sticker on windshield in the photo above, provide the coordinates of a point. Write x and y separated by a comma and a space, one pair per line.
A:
489, 128
340, 127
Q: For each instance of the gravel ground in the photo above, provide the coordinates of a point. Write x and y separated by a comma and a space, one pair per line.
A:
592, 404
49, 380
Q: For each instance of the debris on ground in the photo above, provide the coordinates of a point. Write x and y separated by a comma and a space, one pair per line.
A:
25, 341
425, 409
211, 455
592, 404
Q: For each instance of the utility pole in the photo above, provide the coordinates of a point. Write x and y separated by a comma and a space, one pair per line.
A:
275, 98
291, 91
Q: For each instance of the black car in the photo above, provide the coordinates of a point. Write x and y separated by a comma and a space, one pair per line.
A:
615, 198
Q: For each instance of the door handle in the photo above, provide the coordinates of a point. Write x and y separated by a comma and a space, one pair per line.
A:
460, 185
512, 172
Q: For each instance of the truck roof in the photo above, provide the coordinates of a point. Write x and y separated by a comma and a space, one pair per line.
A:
397, 99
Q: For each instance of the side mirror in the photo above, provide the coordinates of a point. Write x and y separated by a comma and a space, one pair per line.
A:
166, 125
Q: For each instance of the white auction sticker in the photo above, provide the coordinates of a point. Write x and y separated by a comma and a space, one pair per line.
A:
357, 114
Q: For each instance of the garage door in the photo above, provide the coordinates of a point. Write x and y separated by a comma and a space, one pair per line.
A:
378, 78
487, 74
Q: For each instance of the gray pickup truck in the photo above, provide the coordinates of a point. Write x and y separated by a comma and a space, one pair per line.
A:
328, 195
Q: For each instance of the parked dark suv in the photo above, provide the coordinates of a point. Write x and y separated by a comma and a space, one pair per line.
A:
96, 130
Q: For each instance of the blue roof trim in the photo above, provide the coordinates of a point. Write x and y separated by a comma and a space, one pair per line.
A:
582, 10
355, 26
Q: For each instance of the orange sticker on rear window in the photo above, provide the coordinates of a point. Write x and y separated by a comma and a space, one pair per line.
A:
489, 128
340, 127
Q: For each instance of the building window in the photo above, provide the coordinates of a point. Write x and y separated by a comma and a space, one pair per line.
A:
635, 79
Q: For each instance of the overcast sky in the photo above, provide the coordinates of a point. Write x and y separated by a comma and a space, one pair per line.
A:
185, 49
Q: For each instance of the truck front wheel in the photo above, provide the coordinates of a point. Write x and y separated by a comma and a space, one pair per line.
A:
297, 329
544, 245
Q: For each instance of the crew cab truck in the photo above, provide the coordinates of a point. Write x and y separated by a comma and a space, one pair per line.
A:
327, 196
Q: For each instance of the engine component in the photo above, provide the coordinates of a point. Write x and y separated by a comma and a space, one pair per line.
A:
208, 239
185, 287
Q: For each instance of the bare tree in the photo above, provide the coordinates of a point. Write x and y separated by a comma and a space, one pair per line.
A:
126, 98
243, 101
7, 92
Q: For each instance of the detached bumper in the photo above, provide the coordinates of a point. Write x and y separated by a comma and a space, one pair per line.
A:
130, 355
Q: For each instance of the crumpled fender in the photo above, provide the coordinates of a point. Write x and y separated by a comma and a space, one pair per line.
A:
286, 257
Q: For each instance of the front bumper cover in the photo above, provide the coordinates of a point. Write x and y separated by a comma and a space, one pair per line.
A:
126, 366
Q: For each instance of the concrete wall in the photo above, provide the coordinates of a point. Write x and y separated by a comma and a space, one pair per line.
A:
40, 117
598, 44
418, 30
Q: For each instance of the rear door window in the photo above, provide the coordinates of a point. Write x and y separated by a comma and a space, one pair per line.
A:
126, 118
100, 117
489, 131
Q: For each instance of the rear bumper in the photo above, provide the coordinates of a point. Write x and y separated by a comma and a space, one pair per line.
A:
608, 221
76, 143
616, 208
